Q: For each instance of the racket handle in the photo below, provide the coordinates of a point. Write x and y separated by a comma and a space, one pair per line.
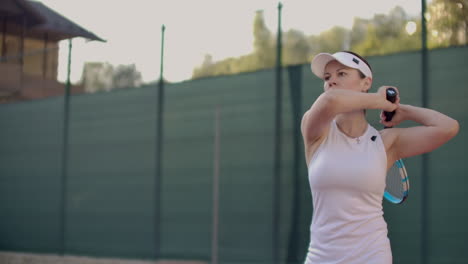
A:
391, 96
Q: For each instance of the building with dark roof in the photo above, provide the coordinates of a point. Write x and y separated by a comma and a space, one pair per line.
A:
30, 32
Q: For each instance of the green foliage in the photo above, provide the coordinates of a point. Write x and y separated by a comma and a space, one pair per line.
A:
125, 76
333, 40
383, 34
99, 76
448, 22
264, 43
386, 34
359, 30
295, 47
263, 56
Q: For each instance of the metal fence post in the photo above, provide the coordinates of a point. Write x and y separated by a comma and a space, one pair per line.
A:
63, 205
158, 149
424, 162
277, 151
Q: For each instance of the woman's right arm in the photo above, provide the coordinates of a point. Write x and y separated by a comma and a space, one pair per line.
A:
316, 120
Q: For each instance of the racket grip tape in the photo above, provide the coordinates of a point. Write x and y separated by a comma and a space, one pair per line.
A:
391, 96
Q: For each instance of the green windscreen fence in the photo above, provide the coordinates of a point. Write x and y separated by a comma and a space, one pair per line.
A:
110, 182
110, 197
30, 173
245, 106
448, 196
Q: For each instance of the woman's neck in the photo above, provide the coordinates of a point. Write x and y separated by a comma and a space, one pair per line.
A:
352, 124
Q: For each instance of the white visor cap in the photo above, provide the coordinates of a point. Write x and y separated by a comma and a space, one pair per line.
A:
322, 59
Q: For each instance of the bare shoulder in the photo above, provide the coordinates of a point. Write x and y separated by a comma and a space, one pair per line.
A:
311, 146
389, 138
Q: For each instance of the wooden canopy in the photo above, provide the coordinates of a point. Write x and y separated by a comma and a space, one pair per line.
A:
35, 20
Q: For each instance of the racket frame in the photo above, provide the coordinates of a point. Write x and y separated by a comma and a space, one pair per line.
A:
404, 181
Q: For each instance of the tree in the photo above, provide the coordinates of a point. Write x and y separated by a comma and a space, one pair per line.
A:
125, 76
264, 43
448, 22
385, 34
262, 57
380, 35
295, 47
206, 69
391, 25
98, 76
359, 30
335, 39
371, 45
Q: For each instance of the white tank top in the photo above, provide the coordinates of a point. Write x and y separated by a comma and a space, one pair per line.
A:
347, 180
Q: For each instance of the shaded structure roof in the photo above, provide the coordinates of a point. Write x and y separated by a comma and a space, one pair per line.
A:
40, 20
14, 10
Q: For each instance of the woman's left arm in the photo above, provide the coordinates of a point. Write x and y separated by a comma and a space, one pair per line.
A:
435, 130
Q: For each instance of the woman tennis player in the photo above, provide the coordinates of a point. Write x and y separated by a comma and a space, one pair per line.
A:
348, 159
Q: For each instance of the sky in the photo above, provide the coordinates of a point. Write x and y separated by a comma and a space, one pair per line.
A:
221, 28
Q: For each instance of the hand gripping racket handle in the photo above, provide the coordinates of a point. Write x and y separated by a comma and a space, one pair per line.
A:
391, 96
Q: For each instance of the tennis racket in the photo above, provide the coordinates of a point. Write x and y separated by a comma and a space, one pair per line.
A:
397, 181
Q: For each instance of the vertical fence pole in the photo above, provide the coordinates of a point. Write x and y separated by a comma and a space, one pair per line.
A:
216, 160
63, 200
277, 151
158, 149
425, 184
21, 58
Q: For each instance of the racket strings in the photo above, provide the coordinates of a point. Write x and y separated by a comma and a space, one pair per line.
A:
397, 182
